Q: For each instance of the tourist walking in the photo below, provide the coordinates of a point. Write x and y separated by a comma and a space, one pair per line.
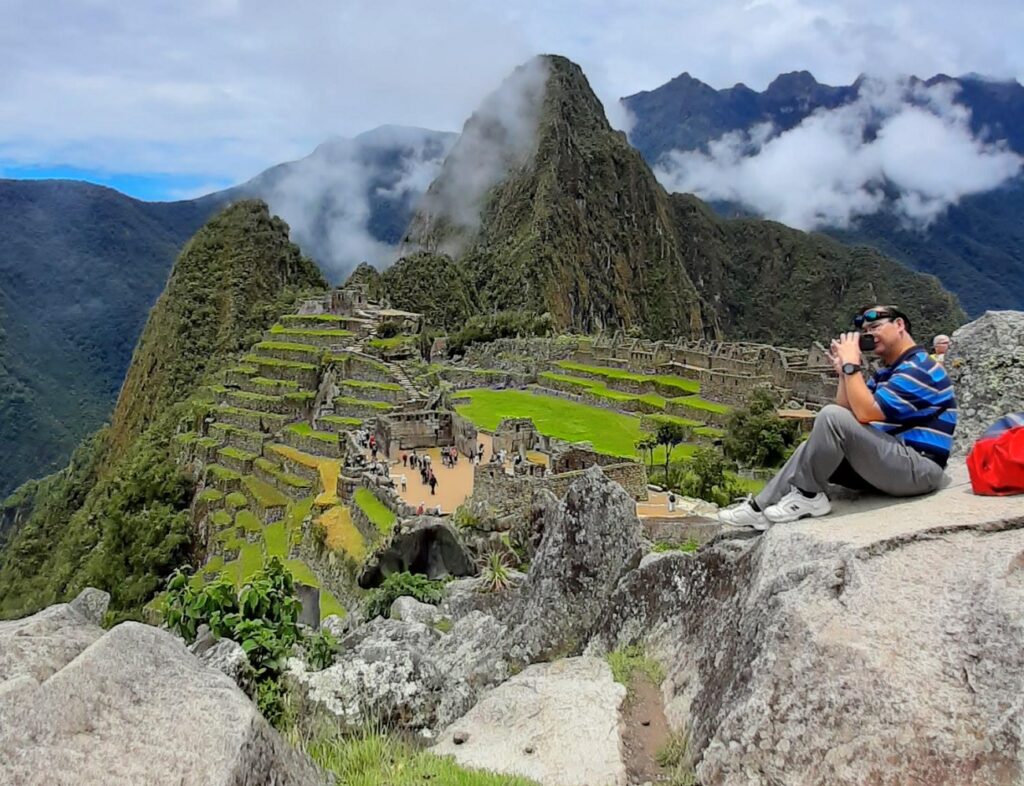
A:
405, 459
432, 480
402, 481
671, 502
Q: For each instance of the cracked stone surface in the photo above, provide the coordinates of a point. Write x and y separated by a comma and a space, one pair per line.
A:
883, 644
549, 709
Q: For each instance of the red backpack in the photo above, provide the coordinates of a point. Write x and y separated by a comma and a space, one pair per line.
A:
996, 462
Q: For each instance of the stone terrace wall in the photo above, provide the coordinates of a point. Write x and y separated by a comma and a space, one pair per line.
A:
406, 430
462, 378
523, 355
465, 434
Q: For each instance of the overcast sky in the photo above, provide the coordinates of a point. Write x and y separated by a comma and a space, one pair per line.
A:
165, 99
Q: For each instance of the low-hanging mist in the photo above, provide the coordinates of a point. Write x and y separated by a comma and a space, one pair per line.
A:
900, 146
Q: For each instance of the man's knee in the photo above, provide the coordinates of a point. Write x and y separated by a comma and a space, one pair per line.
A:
834, 416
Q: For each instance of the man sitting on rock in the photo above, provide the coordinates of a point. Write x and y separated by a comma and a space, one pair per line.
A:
891, 433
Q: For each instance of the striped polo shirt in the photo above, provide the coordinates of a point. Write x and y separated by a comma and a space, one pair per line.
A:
917, 398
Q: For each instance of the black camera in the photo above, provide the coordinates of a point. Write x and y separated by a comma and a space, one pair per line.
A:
867, 342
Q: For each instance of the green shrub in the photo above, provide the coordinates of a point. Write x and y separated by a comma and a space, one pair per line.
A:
706, 476
756, 435
481, 329
396, 585
495, 571
262, 617
321, 649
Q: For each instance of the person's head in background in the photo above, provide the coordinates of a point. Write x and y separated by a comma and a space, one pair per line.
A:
940, 345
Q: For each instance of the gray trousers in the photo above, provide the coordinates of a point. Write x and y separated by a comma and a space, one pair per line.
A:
843, 451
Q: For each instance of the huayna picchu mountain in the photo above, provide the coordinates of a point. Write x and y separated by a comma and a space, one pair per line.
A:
569, 219
118, 516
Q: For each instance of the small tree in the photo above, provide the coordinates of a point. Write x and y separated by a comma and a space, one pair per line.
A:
670, 434
646, 445
756, 435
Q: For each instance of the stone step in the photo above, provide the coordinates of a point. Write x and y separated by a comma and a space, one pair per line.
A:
288, 350
318, 443
250, 419
290, 485
237, 437
248, 526
265, 500
238, 460
293, 404
306, 374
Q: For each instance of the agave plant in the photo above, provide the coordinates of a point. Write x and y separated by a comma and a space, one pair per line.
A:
495, 571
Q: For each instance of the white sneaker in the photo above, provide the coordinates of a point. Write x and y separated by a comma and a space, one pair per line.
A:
795, 506
744, 515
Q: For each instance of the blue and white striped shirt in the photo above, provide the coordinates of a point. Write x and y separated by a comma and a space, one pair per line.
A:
916, 396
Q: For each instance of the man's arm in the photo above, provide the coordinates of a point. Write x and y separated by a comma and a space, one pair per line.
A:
860, 399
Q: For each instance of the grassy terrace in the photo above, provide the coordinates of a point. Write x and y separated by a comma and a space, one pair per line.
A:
211, 495
289, 346
391, 343
303, 429
359, 383
342, 357
247, 520
244, 369
229, 428
298, 456
610, 432
325, 318
284, 332
342, 421
294, 481
264, 493
683, 385
274, 384
235, 453
222, 473
596, 388
376, 511
236, 499
263, 360
697, 403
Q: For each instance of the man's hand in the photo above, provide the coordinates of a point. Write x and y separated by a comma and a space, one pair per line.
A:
847, 349
833, 358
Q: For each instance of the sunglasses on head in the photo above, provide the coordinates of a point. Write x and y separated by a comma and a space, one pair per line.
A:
875, 314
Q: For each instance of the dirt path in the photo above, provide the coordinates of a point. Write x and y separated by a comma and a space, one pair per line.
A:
644, 732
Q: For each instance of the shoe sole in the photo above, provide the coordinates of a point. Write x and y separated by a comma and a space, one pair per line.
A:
808, 514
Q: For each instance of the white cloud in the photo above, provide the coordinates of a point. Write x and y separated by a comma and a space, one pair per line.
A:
839, 164
224, 89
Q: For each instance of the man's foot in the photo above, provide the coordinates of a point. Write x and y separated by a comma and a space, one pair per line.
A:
744, 515
796, 505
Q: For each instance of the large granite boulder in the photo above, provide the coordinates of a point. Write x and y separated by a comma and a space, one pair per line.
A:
44, 643
533, 724
136, 707
426, 545
883, 644
591, 539
986, 364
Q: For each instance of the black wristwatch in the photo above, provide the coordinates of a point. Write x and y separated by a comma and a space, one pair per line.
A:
851, 368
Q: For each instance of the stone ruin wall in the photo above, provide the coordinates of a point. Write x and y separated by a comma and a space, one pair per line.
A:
400, 431
522, 355
464, 435
727, 371
514, 494
514, 435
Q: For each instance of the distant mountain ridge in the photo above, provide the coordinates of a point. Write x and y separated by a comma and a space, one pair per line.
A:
976, 247
578, 227
81, 265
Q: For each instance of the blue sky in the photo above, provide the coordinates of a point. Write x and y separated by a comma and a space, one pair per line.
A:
168, 99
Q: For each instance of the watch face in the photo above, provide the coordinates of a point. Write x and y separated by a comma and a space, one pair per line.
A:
850, 368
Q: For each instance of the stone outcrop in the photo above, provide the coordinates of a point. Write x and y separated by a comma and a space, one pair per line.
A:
127, 706
425, 545
883, 644
590, 540
986, 364
533, 726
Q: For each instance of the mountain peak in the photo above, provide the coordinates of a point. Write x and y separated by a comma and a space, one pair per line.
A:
793, 83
